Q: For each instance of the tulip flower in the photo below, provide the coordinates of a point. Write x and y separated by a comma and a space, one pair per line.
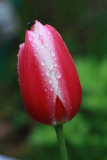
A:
48, 79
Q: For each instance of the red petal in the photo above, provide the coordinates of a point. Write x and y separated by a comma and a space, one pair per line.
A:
35, 99
69, 83
60, 112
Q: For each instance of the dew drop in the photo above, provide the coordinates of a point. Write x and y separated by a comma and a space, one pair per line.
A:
51, 89
36, 53
48, 97
33, 45
59, 91
45, 90
58, 75
42, 74
41, 46
52, 53
54, 100
48, 32
51, 68
53, 86
50, 81
48, 73
55, 65
36, 26
30, 39
43, 63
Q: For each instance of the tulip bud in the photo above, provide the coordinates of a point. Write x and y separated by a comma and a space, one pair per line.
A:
48, 79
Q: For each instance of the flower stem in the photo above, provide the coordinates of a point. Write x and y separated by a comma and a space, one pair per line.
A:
61, 142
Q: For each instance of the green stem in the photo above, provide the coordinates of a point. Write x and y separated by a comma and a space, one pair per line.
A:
61, 142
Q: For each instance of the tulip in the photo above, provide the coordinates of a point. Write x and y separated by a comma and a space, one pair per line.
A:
48, 79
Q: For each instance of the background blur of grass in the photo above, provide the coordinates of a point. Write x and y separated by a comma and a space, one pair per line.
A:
83, 26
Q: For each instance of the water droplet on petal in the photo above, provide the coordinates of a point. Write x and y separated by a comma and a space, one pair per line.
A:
36, 26
36, 54
45, 90
33, 45
51, 68
50, 81
41, 46
48, 73
59, 91
48, 32
52, 53
53, 86
58, 75
51, 89
55, 65
43, 63
54, 100
30, 39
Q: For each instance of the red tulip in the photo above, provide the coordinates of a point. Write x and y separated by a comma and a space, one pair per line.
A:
48, 79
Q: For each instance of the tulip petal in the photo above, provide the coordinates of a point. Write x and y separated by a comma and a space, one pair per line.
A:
48, 79
32, 85
69, 84
60, 112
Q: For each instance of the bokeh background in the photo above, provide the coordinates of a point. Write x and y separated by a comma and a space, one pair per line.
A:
83, 26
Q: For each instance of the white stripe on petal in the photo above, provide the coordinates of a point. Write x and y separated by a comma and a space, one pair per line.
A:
42, 39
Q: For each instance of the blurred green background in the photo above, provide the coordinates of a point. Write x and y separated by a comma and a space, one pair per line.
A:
83, 26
